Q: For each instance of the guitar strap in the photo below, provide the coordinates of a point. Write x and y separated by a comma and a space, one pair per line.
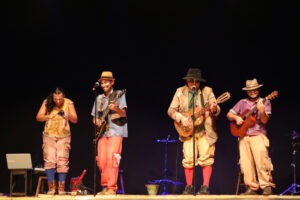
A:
202, 99
112, 96
121, 120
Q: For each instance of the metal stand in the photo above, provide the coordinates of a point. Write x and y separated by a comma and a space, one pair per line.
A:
165, 180
240, 178
194, 143
293, 188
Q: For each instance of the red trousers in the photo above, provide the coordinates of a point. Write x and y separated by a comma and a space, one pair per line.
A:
108, 159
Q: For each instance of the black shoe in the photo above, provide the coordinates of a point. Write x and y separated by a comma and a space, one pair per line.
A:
204, 190
249, 192
267, 190
188, 189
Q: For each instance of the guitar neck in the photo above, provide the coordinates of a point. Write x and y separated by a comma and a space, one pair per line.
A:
105, 112
202, 111
253, 110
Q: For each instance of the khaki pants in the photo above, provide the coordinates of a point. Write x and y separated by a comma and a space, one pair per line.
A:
56, 153
254, 158
205, 151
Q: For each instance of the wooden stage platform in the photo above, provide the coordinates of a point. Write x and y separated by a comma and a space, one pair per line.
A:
155, 197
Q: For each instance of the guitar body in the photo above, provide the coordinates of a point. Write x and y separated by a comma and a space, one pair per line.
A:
188, 131
242, 129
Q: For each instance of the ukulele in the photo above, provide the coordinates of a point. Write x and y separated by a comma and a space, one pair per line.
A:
199, 118
249, 118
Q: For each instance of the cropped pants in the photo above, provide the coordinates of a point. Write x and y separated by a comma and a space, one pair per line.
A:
56, 152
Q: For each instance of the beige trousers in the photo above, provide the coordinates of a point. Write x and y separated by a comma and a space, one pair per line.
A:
56, 153
205, 152
254, 159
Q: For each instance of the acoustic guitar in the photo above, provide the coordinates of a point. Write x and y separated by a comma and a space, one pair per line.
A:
198, 116
249, 118
101, 129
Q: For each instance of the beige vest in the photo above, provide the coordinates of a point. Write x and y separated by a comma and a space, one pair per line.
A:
58, 126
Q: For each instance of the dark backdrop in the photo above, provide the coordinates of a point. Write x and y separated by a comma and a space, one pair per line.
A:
149, 46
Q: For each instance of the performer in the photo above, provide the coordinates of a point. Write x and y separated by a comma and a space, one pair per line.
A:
253, 147
110, 144
205, 135
57, 111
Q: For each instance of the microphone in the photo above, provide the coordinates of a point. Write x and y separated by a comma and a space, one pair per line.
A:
61, 113
193, 88
96, 85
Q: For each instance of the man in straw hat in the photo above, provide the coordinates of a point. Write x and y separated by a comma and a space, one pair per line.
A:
254, 145
205, 135
110, 144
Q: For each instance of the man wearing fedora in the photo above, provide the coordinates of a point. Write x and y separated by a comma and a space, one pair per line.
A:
110, 144
205, 134
253, 147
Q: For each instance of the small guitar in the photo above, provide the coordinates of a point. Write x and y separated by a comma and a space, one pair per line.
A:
101, 129
199, 118
249, 118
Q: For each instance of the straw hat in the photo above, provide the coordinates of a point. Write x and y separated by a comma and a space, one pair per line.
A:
252, 85
107, 75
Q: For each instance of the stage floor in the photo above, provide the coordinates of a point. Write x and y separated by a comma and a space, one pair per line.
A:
162, 197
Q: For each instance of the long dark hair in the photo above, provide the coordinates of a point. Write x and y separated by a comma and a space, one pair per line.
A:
49, 100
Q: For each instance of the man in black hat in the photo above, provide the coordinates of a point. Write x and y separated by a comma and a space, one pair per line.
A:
205, 134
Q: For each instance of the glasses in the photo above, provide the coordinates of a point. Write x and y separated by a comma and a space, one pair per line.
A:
193, 81
252, 91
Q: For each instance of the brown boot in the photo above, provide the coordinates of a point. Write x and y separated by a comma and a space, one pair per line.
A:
267, 190
61, 188
249, 192
51, 187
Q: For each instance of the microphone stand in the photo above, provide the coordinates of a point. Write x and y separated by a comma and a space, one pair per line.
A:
293, 188
95, 143
194, 156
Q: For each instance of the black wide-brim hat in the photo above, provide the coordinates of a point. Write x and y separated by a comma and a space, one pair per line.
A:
194, 73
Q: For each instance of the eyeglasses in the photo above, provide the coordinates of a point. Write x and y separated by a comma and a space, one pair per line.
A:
252, 91
193, 81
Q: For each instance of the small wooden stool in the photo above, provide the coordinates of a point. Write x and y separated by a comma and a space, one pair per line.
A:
18, 172
40, 185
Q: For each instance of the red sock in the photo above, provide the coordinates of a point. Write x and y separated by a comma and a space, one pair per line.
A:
206, 171
189, 172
